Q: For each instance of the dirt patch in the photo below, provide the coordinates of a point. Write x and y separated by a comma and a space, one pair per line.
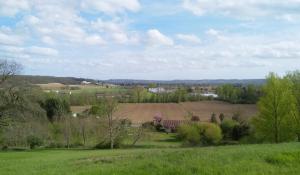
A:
143, 112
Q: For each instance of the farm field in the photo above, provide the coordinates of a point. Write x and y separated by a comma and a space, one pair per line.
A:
81, 88
143, 112
275, 159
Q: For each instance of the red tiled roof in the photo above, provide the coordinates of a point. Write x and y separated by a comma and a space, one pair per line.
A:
172, 124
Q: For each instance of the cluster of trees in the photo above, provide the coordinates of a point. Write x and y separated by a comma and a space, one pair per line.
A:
82, 98
57, 127
200, 134
239, 94
278, 119
219, 130
141, 95
29, 117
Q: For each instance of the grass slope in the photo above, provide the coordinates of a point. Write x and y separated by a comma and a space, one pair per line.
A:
223, 160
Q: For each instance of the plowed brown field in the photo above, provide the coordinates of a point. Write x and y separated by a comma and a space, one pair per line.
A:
142, 112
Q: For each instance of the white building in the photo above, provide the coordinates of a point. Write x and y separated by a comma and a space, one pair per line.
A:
157, 90
209, 94
85, 82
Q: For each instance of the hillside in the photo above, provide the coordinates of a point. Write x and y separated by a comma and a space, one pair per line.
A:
226, 160
187, 82
34, 79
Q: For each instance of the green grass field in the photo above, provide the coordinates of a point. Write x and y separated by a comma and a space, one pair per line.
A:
223, 160
99, 89
82, 88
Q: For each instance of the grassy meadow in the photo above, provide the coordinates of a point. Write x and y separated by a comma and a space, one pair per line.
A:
243, 159
81, 88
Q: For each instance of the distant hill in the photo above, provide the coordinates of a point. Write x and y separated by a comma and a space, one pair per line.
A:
50, 79
187, 82
72, 80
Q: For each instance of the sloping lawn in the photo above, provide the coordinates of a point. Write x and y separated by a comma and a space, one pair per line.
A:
245, 159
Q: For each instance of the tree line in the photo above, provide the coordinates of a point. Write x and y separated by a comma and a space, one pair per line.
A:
278, 118
239, 94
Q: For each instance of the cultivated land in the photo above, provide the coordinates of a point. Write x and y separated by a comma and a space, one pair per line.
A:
223, 160
82, 88
143, 112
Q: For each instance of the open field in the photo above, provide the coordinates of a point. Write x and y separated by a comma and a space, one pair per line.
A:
81, 88
226, 160
51, 86
178, 111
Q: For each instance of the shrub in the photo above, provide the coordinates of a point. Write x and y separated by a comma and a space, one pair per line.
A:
240, 130
195, 118
203, 133
55, 145
189, 133
237, 117
213, 118
159, 127
149, 125
221, 117
210, 133
227, 128
34, 141
4, 147
105, 144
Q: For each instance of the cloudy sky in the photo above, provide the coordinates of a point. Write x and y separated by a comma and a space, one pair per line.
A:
152, 39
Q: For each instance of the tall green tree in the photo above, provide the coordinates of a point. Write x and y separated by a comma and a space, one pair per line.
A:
55, 108
138, 94
180, 95
294, 77
107, 109
274, 121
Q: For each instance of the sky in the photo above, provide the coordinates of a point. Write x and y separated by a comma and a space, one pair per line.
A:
152, 39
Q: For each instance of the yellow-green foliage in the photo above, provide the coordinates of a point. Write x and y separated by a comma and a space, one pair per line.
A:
210, 133
200, 133
275, 121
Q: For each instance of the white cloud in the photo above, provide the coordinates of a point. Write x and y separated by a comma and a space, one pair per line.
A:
157, 38
13, 49
12, 7
10, 39
216, 34
189, 38
111, 6
94, 40
107, 26
244, 9
212, 32
42, 51
50, 32
48, 40
115, 30
120, 38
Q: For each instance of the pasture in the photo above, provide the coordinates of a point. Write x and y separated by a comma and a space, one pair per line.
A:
82, 88
142, 112
275, 159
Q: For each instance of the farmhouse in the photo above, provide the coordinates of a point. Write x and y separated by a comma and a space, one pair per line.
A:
168, 125
172, 125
